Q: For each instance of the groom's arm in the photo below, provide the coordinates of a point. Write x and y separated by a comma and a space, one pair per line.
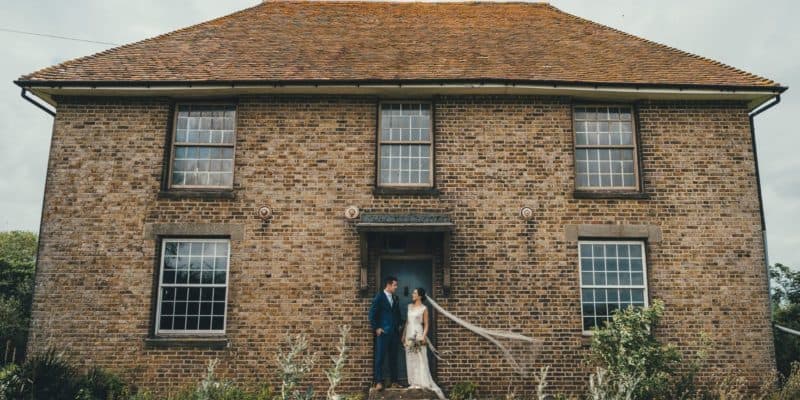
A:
373, 311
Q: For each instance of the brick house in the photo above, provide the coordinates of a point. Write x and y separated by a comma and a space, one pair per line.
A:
214, 188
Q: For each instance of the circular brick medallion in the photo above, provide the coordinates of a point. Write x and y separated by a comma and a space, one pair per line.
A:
352, 212
526, 213
265, 213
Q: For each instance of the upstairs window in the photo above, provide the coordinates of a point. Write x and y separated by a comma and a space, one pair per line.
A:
605, 149
405, 145
613, 276
202, 147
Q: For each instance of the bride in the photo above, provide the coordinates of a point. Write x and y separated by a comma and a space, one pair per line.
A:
415, 341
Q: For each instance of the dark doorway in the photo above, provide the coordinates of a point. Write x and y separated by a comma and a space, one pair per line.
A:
411, 272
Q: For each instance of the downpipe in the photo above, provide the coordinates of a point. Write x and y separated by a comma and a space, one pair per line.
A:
41, 106
752, 116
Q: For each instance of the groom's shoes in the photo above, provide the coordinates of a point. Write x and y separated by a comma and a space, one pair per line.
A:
379, 386
396, 385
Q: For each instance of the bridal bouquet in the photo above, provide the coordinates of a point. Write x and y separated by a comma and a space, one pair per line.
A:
416, 344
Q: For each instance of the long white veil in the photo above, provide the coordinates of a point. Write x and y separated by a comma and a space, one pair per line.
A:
512, 339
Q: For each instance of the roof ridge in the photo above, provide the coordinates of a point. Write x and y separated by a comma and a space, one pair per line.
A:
766, 81
127, 45
417, 2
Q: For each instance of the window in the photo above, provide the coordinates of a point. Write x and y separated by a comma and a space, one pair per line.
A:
193, 286
613, 275
405, 145
605, 149
202, 147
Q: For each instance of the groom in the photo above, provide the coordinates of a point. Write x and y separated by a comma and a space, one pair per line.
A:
384, 318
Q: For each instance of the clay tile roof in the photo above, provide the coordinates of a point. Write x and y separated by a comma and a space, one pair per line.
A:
383, 41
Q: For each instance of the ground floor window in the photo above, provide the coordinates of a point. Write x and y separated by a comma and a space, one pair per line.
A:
193, 286
613, 275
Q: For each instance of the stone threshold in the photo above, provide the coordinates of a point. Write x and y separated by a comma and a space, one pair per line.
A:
402, 394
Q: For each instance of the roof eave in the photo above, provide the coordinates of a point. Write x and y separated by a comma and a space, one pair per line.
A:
754, 95
30, 83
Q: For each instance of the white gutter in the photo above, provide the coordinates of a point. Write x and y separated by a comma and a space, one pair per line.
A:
622, 93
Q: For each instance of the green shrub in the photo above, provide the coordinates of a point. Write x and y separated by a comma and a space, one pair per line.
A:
334, 374
102, 385
636, 365
294, 363
11, 382
782, 387
17, 261
48, 376
464, 391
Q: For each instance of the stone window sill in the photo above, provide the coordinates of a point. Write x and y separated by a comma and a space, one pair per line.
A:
176, 194
405, 191
206, 342
584, 194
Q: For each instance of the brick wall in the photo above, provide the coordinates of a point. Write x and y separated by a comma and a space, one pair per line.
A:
310, 157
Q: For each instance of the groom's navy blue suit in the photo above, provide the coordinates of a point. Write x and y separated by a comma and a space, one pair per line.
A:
386, 316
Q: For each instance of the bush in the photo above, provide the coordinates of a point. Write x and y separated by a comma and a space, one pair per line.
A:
293, 365
786, 312
101, 384
50, 376
635, 364
464, 391
17, 262
10, 382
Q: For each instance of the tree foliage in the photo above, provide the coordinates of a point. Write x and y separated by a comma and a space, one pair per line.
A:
17, 263
785, 312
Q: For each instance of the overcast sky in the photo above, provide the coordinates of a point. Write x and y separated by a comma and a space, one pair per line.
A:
762, 37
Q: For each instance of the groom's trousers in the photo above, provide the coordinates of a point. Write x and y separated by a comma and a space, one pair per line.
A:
386, 346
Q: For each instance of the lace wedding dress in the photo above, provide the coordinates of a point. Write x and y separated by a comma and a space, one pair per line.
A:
419, 375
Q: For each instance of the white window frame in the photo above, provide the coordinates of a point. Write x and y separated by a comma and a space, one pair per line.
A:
643, 286
185, 332
429, 143
634, 146
174, 145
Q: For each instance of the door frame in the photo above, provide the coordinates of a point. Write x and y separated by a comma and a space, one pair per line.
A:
432, 361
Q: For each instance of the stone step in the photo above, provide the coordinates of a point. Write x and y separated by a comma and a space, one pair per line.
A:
402, 394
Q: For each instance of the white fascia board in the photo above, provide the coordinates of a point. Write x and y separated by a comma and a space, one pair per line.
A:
596, 93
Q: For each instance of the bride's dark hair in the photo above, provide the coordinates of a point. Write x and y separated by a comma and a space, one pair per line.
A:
421, 293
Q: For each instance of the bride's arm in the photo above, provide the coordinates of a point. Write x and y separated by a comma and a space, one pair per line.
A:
425, 324
403, 334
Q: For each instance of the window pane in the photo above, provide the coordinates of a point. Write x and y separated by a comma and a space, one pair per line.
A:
202, 166
404, 164
612, 278
405, 122
204, 124
190, 291
604, 167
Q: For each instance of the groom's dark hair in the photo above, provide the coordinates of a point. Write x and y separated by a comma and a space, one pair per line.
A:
389, 279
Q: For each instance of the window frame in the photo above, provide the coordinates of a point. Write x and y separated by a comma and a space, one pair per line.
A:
160, 275
172, 145
431, 175
644, 286
635, 139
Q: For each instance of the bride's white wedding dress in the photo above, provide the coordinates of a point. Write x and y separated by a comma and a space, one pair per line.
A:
419, 375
